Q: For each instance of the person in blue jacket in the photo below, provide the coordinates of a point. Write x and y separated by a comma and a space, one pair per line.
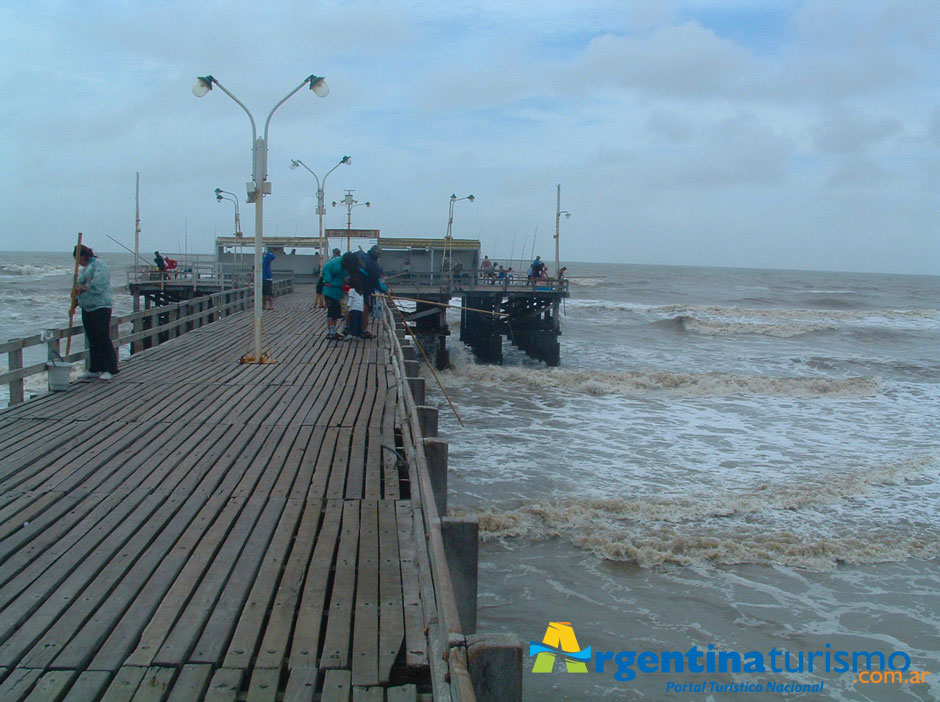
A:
333, 276
93, 293
267, 279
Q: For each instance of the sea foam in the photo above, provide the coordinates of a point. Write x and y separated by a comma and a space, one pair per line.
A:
25, 269
731, 527
632, 383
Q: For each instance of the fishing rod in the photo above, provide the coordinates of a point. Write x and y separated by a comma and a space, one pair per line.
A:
127, 249
414, 338
443, 304
78, 253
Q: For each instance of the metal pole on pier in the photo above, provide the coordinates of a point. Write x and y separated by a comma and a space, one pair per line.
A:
558, 213
321, 206
447, 263
219, 196
259, 185
349, 202
137, 222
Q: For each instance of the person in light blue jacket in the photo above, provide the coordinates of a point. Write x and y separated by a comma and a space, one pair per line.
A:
93, 293
333, 276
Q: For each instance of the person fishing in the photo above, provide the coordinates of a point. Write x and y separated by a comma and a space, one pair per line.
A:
93, 293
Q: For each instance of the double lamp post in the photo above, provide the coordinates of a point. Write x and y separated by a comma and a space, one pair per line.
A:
321, 206
259, 185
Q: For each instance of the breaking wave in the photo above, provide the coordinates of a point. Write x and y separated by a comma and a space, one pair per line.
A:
781, 322
599, 383
718, 328
735, 527
12, 269
587, 282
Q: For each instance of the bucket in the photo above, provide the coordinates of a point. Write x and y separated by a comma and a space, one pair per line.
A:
59, 373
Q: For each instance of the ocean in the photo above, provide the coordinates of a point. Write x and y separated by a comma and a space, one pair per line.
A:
34, 297
743, 461
746, 460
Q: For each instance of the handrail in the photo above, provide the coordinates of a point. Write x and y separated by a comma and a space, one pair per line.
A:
452, 644
179, 315
476, 281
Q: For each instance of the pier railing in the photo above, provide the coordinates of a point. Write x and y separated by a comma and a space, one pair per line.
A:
147, 328
195, 270
450, 675
477, 280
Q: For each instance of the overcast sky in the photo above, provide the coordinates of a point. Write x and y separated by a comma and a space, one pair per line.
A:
758, 133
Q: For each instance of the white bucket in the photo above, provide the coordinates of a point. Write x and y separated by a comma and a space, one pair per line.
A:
59, 373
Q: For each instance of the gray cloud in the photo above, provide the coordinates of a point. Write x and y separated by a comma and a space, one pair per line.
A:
674, 141
842, 130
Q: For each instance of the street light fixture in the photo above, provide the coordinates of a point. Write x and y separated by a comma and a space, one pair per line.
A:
259, 185
558, 213
321, 208
231, 197
446, 261
350, 204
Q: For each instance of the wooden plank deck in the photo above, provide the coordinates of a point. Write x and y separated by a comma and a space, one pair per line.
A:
197, 529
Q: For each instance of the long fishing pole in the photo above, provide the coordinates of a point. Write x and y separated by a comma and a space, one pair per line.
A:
78, 253
426, 360
127, 249
453, 307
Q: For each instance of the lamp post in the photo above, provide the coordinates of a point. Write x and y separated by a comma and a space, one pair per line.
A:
558, 213
259, 185
448, 241
350, 203
231, 197
321, 207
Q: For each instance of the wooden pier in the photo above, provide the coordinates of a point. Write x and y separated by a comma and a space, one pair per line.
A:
197, 529
524, 312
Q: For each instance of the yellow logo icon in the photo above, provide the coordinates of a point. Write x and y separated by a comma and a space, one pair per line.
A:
559, 640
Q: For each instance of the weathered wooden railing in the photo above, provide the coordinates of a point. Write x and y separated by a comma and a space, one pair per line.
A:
147, 327
476, 279
464, 668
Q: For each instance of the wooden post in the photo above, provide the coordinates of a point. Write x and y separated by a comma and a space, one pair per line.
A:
461, 544
175, 318
495, 662
417, 389
17, 387
136, 326
52, 345
442, 357
436, 452
114, 332
428, 419
412, 369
